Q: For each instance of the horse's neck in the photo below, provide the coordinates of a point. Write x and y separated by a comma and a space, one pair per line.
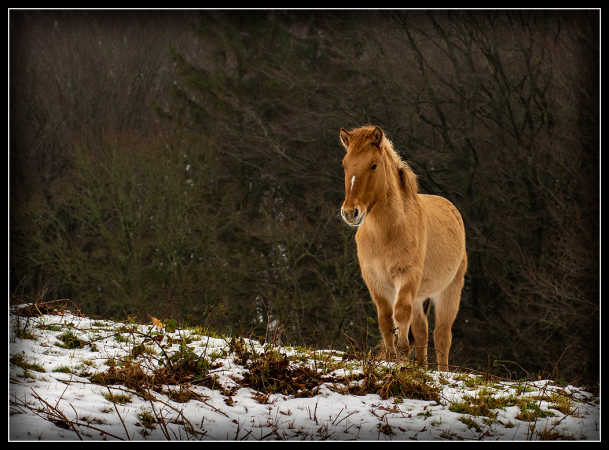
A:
392, 213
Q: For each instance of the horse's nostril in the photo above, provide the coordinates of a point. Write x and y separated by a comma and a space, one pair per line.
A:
355, 213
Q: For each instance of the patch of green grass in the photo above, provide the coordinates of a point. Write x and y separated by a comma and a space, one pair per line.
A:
562, 403
50, 327
241, 350
182, 366
94, 420
181, 340
146, 419
118, 337
530, 410
19, 360
70, 340
522, 389
121, 399
186, 363
270, 372
171, 325
111, 362
471, 423
324, 362
217, 354
127, 328
63, 369
203, 331
476, 381
483, 404
142, 349
181, 394
400, 381
443, 380
26, 375
469, 381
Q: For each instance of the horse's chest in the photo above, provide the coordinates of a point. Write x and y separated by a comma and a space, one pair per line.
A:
379, 279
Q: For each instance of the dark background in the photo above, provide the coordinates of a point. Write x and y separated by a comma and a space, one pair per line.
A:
186, 165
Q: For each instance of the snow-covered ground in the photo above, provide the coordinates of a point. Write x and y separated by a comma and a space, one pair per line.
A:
52, 395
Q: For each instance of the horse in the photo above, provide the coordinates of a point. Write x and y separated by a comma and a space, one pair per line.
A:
410, 246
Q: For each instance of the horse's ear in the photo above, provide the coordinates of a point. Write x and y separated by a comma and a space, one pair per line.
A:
344, 138
377, 136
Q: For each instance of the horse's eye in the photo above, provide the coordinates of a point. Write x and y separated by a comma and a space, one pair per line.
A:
373, 166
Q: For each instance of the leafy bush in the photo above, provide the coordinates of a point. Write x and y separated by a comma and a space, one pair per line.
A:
129, 235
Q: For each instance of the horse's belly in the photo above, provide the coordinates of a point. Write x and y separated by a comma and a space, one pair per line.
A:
436, 277
431, 289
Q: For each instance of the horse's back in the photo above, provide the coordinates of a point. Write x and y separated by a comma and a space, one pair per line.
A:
442, 216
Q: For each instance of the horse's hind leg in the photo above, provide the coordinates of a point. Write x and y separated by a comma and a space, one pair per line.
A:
446, 307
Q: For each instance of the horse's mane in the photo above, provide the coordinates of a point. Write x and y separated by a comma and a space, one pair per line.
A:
408, 179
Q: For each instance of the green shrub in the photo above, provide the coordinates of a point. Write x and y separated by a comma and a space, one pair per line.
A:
129, 230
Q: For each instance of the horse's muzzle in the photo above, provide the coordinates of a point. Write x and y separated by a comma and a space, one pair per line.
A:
352, 216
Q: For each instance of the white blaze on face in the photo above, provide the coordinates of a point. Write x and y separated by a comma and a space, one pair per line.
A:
352, 181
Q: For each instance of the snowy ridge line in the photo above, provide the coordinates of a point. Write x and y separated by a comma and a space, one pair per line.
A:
73, 377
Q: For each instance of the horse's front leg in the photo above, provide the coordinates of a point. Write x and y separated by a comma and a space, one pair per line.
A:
385, 318
420, 332
403, 314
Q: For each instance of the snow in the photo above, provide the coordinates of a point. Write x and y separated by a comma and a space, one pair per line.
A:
39, 399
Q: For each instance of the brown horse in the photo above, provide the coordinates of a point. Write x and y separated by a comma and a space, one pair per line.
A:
410, 246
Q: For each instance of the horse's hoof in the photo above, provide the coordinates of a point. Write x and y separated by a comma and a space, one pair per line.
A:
388, 356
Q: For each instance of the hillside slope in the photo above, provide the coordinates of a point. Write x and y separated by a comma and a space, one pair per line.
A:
72, 377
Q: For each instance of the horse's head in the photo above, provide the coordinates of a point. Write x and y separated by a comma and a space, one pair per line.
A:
364, 172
